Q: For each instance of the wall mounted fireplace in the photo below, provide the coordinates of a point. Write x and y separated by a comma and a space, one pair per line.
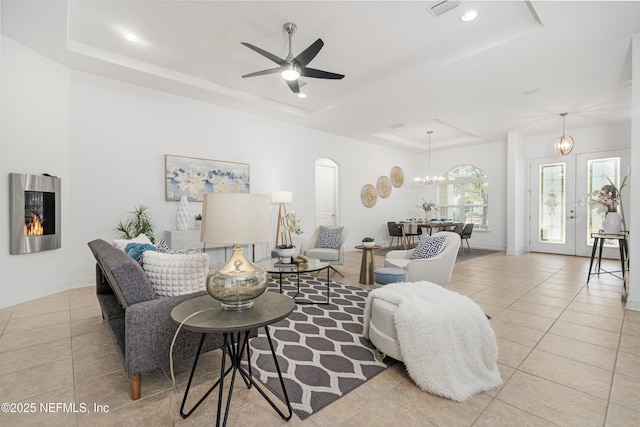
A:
35, 213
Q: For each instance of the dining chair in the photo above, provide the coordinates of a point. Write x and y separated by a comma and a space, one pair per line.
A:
466, 235
395, 231
411, 230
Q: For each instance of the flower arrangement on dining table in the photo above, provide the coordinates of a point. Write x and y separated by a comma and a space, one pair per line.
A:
428, 206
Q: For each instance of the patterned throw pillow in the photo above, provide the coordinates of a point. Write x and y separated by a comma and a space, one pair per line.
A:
429, 246
162, 247
329, 237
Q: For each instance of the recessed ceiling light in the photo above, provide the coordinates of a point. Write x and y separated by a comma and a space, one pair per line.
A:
302, 95
469, 16
131, 37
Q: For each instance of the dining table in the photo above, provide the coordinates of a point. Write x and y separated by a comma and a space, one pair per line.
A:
410, 228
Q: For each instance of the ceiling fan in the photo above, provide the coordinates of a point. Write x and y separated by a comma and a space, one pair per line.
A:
291, 68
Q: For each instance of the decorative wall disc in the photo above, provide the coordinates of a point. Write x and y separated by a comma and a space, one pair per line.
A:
397, 176
368, 195
384, 187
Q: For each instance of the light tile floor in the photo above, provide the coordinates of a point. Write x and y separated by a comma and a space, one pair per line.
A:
569, 356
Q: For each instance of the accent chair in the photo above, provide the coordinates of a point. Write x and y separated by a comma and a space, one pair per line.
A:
328, 243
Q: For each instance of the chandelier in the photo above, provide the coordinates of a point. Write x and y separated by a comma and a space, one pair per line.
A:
564, 144
429, 180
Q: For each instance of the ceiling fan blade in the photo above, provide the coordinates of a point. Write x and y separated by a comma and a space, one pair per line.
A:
319, 74
294, 86
263, 72
264, 53
309, 53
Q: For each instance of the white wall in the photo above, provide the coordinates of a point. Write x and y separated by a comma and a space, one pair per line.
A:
34, 140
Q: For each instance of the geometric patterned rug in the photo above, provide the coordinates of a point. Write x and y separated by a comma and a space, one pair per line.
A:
320, 348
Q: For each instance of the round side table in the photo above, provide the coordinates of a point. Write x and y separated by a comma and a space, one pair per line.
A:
235, 327
367, 264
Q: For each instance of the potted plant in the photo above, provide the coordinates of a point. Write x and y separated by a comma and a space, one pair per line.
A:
290, 224
198, 221
368, 242
139, 222
286, 253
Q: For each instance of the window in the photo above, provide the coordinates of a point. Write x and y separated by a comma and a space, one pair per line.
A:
464, 196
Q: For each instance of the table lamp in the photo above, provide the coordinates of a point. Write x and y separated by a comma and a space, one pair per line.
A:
236, 219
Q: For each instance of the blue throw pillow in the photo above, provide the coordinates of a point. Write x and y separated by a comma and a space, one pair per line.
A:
135, 250
429, 246
329, 237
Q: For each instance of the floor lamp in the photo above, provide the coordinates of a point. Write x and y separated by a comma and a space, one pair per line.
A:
282, 233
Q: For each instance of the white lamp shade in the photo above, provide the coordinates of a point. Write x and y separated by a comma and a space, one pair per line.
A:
235, 218
281, 197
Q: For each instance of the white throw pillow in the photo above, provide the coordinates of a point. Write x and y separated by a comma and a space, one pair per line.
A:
176, 274
122, 243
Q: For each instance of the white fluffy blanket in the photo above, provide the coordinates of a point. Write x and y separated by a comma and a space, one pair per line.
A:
446, 341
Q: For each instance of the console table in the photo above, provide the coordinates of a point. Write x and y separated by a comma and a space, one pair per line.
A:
235, 327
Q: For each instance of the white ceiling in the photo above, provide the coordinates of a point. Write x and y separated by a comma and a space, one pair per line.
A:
465, 81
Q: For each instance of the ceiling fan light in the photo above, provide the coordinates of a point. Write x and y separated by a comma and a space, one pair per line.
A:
291, 72
563, 145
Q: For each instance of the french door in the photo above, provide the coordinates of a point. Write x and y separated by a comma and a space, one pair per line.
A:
561, 218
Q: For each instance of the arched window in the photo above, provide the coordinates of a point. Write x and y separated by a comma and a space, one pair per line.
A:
464, 196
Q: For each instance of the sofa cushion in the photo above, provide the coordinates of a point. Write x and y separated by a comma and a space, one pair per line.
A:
176, 274
122, 243
323, 254
329, 237
125, 276
429, 246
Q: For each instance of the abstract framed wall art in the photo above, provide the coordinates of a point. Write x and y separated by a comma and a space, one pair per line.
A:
193, 177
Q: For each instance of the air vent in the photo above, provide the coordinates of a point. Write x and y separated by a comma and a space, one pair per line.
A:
437, 8
397, 125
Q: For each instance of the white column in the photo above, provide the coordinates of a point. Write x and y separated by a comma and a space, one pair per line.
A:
633, 301
517, 216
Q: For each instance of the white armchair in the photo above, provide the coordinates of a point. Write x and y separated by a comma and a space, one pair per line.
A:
331, 255
436, 270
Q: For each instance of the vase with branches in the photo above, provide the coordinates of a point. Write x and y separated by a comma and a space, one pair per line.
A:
606, 201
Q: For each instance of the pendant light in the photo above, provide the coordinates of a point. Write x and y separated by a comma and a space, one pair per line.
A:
427, 180
564, 144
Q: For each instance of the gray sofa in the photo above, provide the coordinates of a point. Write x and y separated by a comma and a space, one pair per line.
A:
139, 321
